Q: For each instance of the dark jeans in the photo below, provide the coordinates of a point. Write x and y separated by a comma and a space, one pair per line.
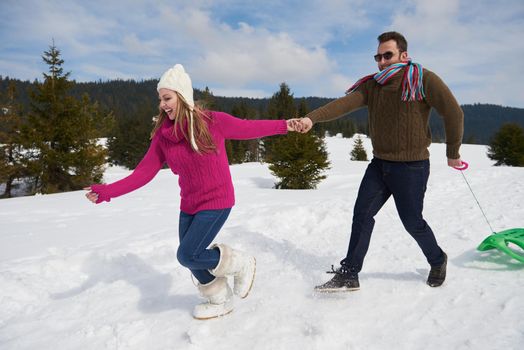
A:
196, 234
406, 181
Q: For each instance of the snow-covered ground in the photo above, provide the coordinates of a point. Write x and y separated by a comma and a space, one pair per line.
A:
74, 275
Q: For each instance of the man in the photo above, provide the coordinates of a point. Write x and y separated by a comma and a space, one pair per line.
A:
399, 99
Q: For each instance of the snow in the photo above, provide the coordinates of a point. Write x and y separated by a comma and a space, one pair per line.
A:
78, 276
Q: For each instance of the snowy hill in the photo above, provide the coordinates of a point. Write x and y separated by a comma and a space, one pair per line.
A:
78, 276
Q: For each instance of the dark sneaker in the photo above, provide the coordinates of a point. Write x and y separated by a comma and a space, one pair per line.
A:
437, 275
343, 281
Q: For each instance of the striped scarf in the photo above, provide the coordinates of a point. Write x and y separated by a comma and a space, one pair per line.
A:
412, 88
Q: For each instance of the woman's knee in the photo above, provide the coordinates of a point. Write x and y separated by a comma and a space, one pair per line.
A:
184, 257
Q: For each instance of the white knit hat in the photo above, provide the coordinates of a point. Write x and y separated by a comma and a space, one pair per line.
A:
178, 80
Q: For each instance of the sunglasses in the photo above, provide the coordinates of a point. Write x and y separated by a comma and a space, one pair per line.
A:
386, 55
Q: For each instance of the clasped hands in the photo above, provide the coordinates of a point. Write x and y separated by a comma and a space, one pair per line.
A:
301, 125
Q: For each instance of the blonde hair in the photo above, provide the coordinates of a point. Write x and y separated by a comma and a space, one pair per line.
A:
184, 116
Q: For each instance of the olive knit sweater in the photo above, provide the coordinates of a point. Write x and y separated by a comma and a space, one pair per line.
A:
399, 130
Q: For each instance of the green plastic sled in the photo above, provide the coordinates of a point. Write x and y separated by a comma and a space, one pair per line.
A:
501, 239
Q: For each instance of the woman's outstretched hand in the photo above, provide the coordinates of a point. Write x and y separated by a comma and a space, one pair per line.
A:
292, 124
92, 196
301, 125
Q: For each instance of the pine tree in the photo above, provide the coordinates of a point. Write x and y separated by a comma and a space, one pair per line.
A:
302, 109
130, 138
63, 132
359, 152
240, 151
507, 146
298, 160
207, 100
280, 106
235, 150
11, 150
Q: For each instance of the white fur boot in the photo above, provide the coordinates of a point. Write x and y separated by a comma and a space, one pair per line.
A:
220, 299
238, 264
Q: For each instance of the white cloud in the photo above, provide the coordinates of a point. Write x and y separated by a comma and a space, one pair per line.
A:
232, 92
133, 45
318, 47
315, 22
69, 23
235, 57
469, 45
17, 70
97, 70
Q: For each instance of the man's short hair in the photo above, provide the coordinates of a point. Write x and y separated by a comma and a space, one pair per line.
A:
402, 43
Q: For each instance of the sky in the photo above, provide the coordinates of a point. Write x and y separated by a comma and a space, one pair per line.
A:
247, 48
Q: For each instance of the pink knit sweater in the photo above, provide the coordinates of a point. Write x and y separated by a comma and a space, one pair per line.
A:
204, 179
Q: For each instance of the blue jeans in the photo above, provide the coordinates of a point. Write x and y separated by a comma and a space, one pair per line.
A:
196, 233
406, 182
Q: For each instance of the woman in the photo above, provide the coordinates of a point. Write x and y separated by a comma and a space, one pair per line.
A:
192, 142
